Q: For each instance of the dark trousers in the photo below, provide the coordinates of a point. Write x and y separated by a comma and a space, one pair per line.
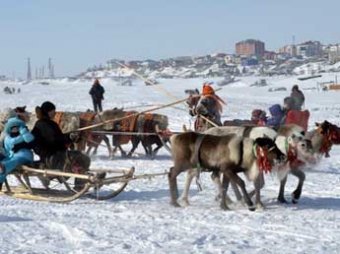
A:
97, 105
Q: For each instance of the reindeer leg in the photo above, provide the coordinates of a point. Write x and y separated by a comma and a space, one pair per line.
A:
154, 152
185, 195
258, 184
122, 152
237, 192
281, 197
108, 145
234, 177
216, 179
297, 193
174, 172
135, 141
261, 184
224, 187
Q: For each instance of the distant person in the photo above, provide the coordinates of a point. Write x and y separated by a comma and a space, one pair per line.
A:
298, 97
97, 93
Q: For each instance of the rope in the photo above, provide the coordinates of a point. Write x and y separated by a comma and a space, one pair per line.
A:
132, 133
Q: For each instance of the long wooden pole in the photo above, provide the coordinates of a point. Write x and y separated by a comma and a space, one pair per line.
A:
147, 80
167, 93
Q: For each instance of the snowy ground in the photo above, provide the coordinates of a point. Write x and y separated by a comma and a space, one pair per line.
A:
140, 220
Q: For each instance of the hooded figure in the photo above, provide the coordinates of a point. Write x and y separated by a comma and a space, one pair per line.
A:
297, 97
277, 115
210, 105
17, 147
49, 138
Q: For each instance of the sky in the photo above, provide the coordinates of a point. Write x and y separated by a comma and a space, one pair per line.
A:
78, 34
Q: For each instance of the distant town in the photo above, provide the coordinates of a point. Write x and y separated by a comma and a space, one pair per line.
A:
250, 58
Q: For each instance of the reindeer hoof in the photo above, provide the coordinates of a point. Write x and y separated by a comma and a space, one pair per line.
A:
175, 204
295, 198
252, 208
260, 206
295, 201
224, 207
185, 202
282, 200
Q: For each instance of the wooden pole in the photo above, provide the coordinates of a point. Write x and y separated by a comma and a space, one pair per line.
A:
56, 173
148, 81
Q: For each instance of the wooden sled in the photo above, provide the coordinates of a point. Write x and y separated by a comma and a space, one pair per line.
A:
99, 184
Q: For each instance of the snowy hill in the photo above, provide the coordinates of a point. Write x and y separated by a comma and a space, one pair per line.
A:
141, 220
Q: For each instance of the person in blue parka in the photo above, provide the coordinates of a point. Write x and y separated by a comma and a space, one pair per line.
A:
17, 146
277, 114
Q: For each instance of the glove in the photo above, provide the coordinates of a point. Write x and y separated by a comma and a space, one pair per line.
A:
74, 136
23, 130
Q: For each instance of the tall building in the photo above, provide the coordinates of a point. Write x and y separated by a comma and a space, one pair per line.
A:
250, 47
309, 49
29, 74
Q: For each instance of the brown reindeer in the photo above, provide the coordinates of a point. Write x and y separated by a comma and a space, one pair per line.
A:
225, 155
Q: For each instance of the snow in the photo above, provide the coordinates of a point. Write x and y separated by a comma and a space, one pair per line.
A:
141, 220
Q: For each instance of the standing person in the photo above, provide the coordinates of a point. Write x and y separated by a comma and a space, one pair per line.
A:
298, 97
97, 93
17, 146
210, 106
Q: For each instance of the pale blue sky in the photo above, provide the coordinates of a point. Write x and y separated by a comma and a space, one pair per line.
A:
80, 33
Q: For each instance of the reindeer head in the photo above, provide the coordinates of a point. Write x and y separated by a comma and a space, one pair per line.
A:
273, 152
330, 131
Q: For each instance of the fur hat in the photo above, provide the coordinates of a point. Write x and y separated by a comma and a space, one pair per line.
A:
207, 89
47, 106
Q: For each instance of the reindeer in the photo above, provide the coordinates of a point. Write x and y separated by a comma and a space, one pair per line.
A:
320, 140
289, 140
226, 155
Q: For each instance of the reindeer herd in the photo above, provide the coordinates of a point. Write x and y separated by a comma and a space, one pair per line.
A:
223, 151
229, 150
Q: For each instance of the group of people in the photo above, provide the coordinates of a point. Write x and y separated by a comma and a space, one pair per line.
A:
46, 140
209, 108
278, 113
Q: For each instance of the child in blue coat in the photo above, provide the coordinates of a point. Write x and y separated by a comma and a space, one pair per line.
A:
17, 147
277, 114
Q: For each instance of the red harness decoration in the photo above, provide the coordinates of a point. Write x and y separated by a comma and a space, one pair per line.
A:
292, 153
326, 143
262, 160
